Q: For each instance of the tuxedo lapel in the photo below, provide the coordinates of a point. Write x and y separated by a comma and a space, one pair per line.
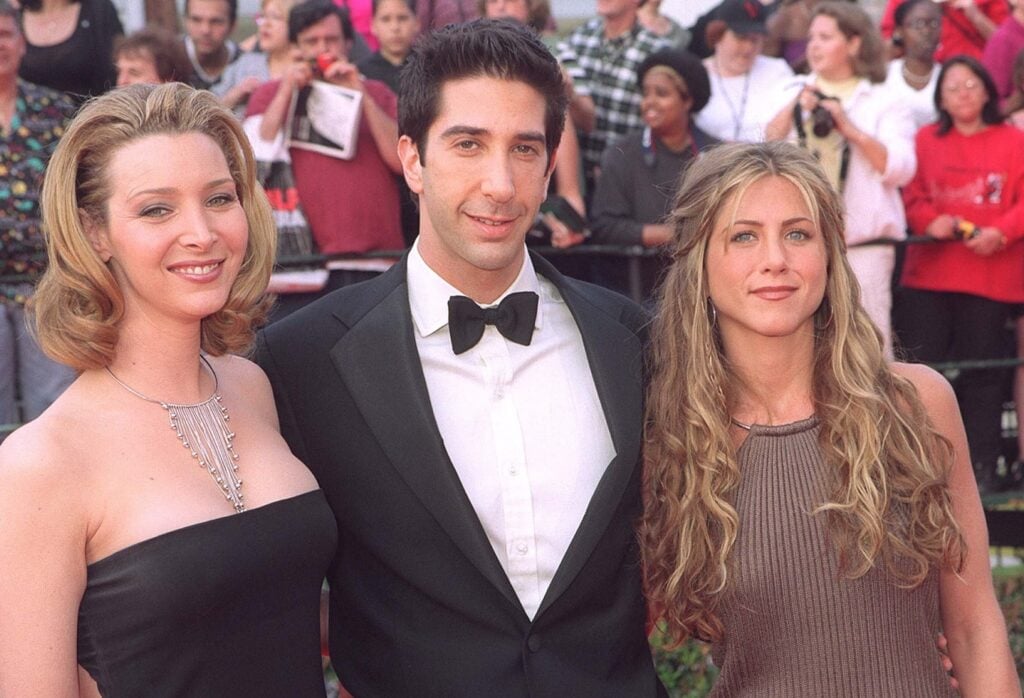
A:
378, 361
615, 355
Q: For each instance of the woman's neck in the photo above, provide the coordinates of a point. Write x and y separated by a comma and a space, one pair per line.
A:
676, 139
161, 362
722, 68
920, 66
278, 61
774, 380
839, 74
969, 128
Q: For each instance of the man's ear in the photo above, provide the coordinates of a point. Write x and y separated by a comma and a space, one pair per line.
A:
412, 164
552, 161
97, 235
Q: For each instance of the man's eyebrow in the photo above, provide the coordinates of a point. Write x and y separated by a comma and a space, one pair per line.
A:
463, 130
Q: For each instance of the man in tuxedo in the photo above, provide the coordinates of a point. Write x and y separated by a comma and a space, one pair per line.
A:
475, 417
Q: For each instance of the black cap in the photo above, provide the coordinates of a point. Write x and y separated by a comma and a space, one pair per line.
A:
743, 16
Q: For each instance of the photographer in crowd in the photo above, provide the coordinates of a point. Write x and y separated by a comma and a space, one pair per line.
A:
334, 191
863, 136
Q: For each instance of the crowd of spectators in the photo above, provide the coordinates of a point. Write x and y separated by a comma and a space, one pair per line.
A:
646, 96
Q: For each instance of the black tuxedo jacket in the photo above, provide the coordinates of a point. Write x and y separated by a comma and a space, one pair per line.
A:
420, 605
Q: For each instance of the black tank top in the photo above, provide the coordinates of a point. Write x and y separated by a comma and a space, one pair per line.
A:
227, 607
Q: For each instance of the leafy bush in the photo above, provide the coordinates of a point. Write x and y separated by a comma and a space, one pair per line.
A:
1010, 590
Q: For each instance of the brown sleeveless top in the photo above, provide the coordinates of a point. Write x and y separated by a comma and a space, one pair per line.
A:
793, 625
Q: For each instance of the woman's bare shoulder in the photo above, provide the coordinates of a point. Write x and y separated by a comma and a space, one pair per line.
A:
44, 472
240, 377
936, 395
932, 386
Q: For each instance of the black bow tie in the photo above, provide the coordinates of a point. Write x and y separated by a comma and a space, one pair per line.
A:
513, 317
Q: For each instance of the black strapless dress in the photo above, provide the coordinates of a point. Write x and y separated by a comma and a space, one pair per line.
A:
224, 608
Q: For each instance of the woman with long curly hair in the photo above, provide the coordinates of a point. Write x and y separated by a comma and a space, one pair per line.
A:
810, 508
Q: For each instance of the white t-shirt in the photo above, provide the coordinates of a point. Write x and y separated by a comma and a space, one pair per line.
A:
740, 107
921, 103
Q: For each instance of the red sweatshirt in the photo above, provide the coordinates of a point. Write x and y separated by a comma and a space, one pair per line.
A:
979, 178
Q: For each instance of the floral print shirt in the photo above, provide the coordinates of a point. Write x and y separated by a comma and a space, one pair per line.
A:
40, 116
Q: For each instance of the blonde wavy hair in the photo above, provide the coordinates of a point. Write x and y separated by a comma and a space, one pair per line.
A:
889, 502
78, 304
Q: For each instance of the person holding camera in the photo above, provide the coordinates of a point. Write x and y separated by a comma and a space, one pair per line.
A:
334, 191
863, 136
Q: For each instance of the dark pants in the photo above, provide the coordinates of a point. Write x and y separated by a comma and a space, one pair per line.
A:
936, 326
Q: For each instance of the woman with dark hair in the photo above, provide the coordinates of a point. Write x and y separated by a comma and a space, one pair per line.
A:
137, 560
70, 44
808, 506
914, 75
641, 171
863, 136
958, 295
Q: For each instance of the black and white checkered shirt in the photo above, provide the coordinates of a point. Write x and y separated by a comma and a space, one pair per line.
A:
605, 69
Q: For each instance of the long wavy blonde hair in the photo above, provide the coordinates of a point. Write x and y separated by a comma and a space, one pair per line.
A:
78, 305
889, 503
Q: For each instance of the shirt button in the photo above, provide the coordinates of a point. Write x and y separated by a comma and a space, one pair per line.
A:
534, 643
522, 548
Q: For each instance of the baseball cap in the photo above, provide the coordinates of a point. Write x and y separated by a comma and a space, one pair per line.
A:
743, 16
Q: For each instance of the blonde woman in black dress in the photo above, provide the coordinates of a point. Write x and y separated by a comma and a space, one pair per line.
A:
149, 519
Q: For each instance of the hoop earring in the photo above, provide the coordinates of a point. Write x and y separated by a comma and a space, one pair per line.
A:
712, 312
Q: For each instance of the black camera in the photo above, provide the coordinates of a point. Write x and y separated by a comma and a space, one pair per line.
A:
822, 120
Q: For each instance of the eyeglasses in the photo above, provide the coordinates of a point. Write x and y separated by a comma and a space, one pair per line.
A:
922, 24
966, 86
262, 17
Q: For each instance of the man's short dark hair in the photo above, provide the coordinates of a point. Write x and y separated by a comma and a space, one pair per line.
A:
411, 4
306, 14
484, 47
232, 10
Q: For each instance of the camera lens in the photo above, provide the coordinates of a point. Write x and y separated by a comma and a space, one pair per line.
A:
823, 123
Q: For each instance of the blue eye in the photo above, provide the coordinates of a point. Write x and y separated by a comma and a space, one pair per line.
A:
743, 236
798, 234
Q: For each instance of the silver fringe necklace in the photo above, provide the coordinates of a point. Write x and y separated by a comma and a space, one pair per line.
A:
202, 428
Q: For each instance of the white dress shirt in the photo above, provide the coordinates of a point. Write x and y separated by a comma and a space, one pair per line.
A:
523, 425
